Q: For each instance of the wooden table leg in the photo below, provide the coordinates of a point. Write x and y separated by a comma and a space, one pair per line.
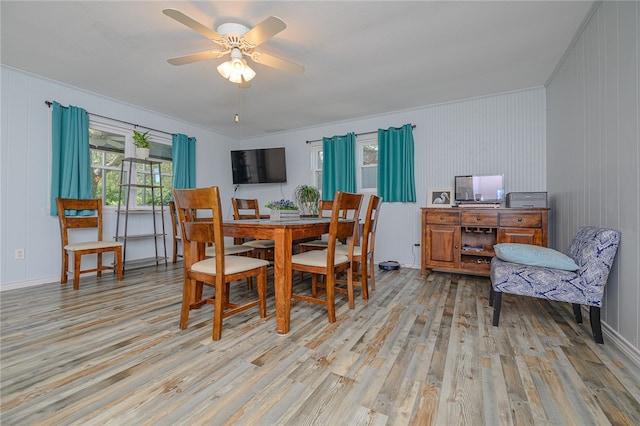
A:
282, 278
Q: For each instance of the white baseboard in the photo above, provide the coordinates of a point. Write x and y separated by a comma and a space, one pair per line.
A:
621, 343
30, 283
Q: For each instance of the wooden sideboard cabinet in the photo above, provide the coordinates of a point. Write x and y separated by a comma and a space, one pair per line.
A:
462, 239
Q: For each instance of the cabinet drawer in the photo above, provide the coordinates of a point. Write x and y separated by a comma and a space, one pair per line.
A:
442, 218
521, 220
479, 219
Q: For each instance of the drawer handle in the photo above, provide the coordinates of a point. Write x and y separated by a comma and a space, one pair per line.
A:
519, 219
441, 217
478, 219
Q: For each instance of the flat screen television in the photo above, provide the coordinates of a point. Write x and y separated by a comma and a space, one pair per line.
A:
488, 189
259, 166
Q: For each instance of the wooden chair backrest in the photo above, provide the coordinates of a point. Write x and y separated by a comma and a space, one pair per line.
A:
325, 208
197, 231
78, 222
245, 208
345, 205
371, 224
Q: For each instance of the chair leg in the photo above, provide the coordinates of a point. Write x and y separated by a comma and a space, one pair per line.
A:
99, 266
119, 263
65, 266
77, 260
364, 277
491, 295
497, 300
218, 307
577, 312
331, 298
262, 292
350, 295
187, 296
175, 250
596, 326
372, 274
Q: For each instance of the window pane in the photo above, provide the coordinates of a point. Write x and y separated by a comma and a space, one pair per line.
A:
370, 177
370, 154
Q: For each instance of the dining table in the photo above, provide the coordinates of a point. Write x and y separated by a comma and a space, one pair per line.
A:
283, 233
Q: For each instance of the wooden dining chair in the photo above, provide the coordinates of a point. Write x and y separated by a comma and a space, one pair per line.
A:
328, 263
219, 271
249, 209
362, 256
93, 220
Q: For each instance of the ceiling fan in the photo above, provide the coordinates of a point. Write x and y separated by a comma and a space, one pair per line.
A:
237, 41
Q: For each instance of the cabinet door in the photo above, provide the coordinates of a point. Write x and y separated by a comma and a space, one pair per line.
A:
520, 235
443, 246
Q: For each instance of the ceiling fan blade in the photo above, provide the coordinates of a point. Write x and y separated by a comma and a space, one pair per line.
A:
264, 30
196, 57
194, 25
278, 63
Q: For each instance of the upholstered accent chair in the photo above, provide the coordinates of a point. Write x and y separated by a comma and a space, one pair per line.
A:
593, 250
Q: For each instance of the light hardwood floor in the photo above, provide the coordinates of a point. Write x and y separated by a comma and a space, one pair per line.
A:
421, 351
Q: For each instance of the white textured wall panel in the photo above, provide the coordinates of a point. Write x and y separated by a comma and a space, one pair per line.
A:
593, 150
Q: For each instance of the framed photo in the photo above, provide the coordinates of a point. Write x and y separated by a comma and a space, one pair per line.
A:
440, 197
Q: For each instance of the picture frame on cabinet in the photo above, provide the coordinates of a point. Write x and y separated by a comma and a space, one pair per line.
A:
440, 197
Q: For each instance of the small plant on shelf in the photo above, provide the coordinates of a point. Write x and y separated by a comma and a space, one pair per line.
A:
141, 140
281, 205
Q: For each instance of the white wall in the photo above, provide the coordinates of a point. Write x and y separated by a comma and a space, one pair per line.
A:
504, 133
497, 134
25, 159
593, 154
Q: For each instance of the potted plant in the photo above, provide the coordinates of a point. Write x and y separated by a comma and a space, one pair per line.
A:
141, 141
307, 198
283, 210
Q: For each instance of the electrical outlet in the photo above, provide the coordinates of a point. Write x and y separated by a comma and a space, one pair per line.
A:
19, 254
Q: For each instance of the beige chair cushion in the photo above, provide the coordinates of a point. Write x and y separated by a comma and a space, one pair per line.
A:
317, 258
316, 243
90, 245
264, 244
232, 264
228, 250
344, 249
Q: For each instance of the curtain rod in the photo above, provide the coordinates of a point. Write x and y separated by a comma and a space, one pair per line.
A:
413, 126
49, 103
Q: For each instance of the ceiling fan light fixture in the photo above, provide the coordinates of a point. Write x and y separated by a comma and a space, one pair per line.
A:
236, 68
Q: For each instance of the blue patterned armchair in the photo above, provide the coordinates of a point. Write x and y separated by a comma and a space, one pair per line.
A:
593, 250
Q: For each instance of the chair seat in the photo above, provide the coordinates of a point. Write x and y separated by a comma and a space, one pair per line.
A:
261, 244
228, 250
232, 265
344, 249
541, 282
317, 258
92, 245
316, 243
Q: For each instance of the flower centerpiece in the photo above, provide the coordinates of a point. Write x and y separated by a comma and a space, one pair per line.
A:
282, 210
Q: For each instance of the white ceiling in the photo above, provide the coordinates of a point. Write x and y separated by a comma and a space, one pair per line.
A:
361, 58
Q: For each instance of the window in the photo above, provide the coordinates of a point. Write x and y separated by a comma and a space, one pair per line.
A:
317, 158
366, 155
108, 146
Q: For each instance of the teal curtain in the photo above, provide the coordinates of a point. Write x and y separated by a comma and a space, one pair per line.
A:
70, 160
339, 165
183, 153
396, 180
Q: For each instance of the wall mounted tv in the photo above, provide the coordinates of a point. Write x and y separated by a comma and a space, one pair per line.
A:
259, 166
479, 189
